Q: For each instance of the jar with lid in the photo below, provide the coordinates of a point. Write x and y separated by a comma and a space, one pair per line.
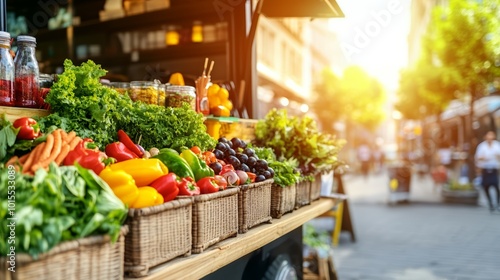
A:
177, 95
6, 71
26, 73
121, 87
144, 91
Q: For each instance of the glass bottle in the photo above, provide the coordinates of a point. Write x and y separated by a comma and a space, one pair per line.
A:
26, 73
6, 71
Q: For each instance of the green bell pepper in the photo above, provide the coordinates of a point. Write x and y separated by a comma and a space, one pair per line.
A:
198, 165
175, 163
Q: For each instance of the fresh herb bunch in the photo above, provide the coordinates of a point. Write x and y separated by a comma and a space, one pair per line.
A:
61, 204
299, 138
285, 170
81, 103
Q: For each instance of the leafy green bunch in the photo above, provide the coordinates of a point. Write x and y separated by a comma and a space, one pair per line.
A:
81, 103
298, 138
285, 170
61, 204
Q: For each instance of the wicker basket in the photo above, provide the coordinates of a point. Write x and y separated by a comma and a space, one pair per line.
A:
316, 188
254, 205
93, 257
303, 196
215, 218
157, 234
282, 200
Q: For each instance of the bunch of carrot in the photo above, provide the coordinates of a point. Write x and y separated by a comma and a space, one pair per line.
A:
55, 148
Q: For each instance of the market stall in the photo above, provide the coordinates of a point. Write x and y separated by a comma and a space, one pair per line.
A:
147, 179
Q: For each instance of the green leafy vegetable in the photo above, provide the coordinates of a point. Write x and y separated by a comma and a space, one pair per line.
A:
81, 103
7, 137
63, 203
285, 170
298, 138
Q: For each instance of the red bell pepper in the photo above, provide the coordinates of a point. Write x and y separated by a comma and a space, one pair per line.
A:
119, 151
87, 154
28, 128
188, 187
125, 139
167, 186
208, 185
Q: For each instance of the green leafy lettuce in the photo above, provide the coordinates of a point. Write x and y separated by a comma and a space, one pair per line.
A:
81, 103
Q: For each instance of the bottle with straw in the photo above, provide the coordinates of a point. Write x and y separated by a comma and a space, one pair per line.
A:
201, 83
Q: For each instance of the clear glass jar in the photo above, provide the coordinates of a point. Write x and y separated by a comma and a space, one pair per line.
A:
121, 87
144, 91
176, 95
162, 92
26, 73
7, 97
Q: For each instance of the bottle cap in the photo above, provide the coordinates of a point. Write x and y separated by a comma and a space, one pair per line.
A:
24, 38
4, 35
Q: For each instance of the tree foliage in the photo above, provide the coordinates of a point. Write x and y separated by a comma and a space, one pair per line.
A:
464, 36
425, 89
354, 98
460, 57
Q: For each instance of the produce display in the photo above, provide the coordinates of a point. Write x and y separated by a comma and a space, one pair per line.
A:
99, 155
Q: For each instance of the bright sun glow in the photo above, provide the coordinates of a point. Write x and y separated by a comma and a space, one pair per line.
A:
374, 36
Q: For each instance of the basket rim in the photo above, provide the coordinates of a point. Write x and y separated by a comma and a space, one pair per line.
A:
67, 246
256, 184
174, 204
231, 190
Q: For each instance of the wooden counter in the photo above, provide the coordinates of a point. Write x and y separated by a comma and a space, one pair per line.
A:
197, 266
14, 113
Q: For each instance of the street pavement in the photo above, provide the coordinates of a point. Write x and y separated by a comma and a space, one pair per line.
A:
424, 239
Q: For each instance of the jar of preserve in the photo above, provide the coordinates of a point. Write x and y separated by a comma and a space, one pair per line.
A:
26, 73
6, 71
121, 87
144, 91
176, 95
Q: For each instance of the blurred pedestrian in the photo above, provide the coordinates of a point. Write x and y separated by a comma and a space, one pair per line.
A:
378, 159
487, 159
441, 173
364, 157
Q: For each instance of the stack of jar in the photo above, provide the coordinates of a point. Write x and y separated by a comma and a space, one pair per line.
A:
19, 77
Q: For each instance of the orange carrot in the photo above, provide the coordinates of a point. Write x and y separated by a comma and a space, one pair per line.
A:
70, 137
49, 144
32, 156
11, 161
64, 152
22, 159
56, 150
75, 142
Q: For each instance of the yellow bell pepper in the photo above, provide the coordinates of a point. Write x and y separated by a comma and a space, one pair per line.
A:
122, 184
148, 196
144, 171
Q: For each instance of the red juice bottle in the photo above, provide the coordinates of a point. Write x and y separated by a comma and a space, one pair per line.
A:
6, 71
27, 73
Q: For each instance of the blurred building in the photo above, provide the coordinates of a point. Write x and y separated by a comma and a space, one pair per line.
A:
290, 52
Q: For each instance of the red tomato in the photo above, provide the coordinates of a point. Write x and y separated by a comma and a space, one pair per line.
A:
196, 150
